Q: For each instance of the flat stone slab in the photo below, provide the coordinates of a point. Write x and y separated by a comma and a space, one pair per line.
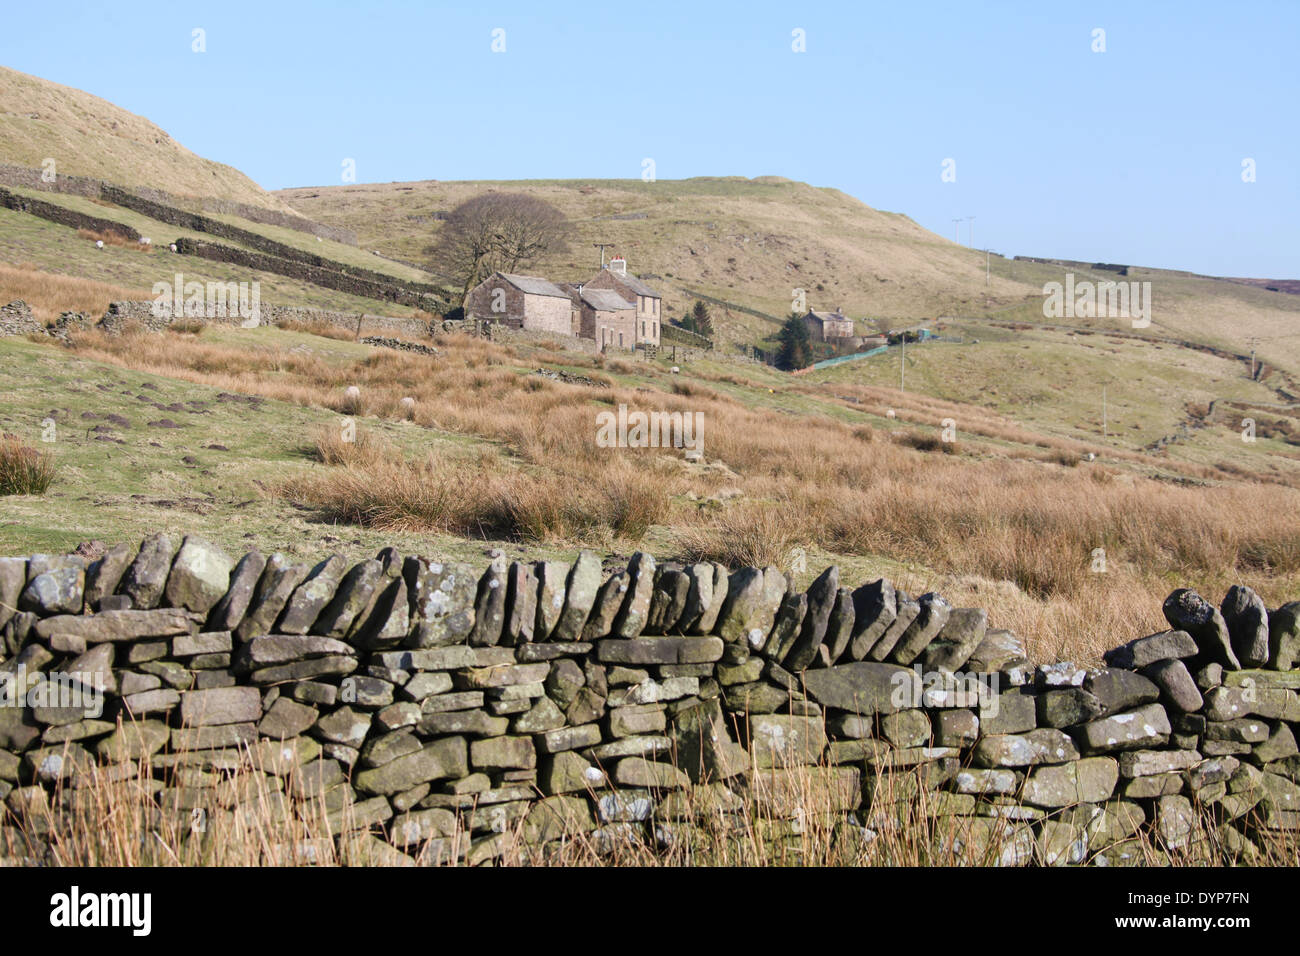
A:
1041, 746
659, 650
1152, 648
1144, 728
119, 625
1090, 780
864, 687
221, 705
285, 648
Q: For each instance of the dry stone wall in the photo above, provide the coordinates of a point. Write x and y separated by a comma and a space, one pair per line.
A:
28, 178
357, 282
63, 216
528, 700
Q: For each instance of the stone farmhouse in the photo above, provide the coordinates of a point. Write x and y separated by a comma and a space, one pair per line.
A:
828, 326
648, 302
615, 310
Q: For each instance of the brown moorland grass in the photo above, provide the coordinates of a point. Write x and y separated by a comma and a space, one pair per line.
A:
788, 480
50, 295
325, 330
111, 238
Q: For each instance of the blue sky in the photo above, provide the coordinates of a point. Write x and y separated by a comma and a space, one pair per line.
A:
1129, 155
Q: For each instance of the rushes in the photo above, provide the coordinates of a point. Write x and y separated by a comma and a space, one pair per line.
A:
24, 470
771, 480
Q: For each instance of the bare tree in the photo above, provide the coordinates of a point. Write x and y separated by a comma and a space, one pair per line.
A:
494, 232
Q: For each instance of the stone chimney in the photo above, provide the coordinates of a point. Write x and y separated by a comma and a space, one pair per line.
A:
618, 266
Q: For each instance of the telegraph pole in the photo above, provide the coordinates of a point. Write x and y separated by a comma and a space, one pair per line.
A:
957, 231
602, 246
1105, 434
902, 362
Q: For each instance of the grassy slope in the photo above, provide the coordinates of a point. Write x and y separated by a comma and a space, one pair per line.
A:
55, 248
749, 241
119, 492
163, 233
1052, 382
753, 241
88, 136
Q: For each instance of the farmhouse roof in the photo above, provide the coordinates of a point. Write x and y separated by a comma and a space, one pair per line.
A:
606, 300
637, 286
532, 285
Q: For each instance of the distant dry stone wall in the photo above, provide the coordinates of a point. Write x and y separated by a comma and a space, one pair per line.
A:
27, 178
64, 217
415, 295
16, 319
215, 227
529, 700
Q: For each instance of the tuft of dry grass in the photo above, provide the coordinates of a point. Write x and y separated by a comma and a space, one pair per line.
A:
344, 444
111, 238
319, 327
187, 326
24, 470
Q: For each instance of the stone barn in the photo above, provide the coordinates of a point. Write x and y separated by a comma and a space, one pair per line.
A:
521, 302
646, 301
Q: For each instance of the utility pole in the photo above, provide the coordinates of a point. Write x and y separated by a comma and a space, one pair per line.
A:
1105, 433
1254, 342
602, 246
902, 362
957, 231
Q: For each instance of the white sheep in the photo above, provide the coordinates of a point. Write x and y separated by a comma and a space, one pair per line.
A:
353, 392
99, 243
145, 240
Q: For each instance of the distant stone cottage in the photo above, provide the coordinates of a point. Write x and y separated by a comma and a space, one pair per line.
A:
828, 326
